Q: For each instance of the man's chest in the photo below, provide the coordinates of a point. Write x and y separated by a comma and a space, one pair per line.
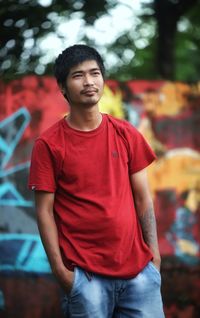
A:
102, 159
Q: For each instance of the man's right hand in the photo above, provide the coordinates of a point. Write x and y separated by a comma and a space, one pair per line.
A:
65, 279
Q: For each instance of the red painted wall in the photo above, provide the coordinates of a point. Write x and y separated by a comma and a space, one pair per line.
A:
168, 115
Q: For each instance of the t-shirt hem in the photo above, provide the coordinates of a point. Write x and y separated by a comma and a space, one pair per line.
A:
35, 187
118, 276
139, 168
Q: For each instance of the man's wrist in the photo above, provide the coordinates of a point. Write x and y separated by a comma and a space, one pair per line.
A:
59, 269
157, 261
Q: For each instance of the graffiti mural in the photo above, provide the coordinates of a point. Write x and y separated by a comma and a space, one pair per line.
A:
25, 253
167, 114
12, 129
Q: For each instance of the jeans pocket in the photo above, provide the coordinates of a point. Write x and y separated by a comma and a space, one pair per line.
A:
154, 267
74, 281
65, 306
155, 272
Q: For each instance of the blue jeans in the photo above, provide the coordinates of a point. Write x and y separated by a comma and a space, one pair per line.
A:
97, 296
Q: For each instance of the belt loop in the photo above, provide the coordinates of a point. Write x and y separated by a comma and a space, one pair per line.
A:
88, 275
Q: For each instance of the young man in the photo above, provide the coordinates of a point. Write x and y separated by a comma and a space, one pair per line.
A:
94, 209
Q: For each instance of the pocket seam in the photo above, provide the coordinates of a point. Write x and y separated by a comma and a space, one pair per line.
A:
74, 281
154, 267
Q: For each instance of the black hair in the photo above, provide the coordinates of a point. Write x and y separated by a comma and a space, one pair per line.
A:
73, 56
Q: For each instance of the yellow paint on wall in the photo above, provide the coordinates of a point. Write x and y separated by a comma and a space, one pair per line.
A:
178, 169
111, 103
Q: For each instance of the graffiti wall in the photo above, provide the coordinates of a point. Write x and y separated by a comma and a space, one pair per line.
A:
168, 115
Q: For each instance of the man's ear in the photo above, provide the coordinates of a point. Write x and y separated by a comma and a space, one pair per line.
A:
62, 89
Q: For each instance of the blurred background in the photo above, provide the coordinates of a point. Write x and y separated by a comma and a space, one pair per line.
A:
151, 50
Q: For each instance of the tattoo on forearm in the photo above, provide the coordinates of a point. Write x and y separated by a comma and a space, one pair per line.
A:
148, 224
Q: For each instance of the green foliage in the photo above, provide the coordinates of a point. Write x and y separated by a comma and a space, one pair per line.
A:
188, 47
25, 22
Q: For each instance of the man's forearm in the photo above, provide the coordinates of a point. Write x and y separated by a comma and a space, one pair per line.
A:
145, 211
147, 220
49, 237
44, 202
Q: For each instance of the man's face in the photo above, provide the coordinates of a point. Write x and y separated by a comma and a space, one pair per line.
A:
84, 84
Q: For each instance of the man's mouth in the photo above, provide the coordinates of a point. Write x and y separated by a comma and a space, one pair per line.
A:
89, 91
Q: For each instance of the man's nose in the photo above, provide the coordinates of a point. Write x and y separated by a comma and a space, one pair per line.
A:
88, 80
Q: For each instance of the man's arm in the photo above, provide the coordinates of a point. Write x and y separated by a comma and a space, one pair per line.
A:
145, 211
48, 231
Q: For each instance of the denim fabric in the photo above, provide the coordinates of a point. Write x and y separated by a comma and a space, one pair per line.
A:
96, 296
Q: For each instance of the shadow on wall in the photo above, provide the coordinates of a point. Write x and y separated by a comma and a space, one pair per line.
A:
168, 116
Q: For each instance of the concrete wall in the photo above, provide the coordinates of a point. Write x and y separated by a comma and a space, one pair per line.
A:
168, 115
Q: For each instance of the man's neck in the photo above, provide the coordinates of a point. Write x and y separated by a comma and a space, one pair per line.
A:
85, 120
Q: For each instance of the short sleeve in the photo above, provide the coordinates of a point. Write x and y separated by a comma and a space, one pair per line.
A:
42, 174
141, 155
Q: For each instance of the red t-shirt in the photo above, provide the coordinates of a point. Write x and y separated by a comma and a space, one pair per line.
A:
94, 208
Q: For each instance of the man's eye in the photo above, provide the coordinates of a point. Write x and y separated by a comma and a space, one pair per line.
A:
77, 75
96, 73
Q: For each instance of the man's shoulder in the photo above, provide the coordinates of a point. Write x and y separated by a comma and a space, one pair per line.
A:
53, 133
52, 139
122, 125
